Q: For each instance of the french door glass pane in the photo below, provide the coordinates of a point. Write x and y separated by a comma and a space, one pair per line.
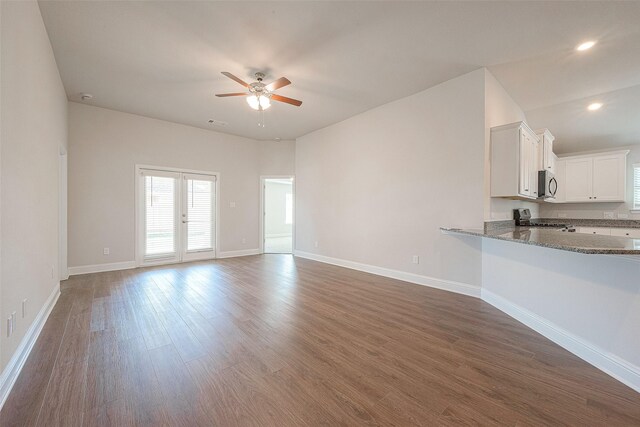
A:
160, 225
199, 214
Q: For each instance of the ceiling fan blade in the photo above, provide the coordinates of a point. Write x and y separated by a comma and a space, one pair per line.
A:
232, 77
281, 82
232, 94
287, 100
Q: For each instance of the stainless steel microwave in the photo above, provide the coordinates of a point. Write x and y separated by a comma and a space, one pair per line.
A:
547, 185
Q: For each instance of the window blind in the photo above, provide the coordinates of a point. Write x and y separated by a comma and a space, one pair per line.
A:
160, 221
200, 204
636, 186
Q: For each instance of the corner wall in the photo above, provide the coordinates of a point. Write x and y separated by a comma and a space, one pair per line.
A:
500, 109
376, 188
104, 147
34, 129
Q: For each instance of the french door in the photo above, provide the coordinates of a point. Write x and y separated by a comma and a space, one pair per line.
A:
176, 216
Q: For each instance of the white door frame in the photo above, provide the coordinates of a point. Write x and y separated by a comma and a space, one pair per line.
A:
263, 178
139, 208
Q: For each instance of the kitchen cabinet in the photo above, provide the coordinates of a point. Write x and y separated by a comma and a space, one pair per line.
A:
609, 176
514, 161
595, 178
578, 180
547, 159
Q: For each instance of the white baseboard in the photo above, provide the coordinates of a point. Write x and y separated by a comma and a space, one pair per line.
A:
242, 252
613, 365
99, 268
13, 368
447, 285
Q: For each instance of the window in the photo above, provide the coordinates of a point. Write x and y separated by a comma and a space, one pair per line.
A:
636, 186
288, 216
159, 194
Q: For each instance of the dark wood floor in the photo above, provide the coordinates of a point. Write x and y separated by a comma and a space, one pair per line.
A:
276, 340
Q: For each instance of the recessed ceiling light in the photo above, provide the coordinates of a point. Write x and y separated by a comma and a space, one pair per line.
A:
595, 106
586, 45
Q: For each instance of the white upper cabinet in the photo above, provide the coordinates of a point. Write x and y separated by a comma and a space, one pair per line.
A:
514, 161
578, 180
595, 178
609, 178
547, 160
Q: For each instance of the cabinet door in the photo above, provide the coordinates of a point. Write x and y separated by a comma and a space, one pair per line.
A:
608, 178
578, 180
524, 189
533, 164
549, 158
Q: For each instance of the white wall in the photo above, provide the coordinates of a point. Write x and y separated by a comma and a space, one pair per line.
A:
105, 145
275, 199
376, 187
34, 127
597, 210
500, 109
593, 298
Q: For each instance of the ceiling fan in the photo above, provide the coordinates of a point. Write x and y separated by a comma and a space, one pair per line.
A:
260, 95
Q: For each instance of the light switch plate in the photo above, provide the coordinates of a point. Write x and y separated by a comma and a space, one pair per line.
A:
105, 251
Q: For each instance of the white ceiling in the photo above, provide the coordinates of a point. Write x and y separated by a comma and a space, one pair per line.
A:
163, 59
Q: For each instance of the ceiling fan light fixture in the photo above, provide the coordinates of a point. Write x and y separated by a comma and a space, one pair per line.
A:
258, 102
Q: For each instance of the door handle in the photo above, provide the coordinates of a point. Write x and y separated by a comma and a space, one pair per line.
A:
184, 221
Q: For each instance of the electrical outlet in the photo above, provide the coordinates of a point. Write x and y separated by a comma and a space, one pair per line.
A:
623, 216
9, 327
105, 251
24, 308
608, 215
562, 215
416, 259
316, 244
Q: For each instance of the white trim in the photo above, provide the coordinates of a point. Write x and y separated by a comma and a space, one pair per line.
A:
242, 252
293, 226
12, 370
99, 268
447, 285
612, 365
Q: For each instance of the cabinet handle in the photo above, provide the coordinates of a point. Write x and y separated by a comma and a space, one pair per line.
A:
595, 197
589, 197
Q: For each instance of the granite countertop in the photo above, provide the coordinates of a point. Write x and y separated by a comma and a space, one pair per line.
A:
557, 239
606, 223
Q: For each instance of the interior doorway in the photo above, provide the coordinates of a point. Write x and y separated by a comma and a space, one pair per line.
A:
278, 215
